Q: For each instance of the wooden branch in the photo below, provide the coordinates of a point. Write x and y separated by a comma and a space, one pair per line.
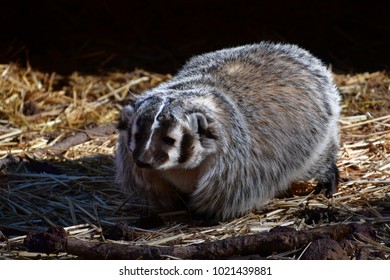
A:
81, 137
263, 244
63, 145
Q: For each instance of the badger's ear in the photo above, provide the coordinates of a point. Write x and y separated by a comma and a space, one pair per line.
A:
128, 113
201, 126
198, 123
126, 117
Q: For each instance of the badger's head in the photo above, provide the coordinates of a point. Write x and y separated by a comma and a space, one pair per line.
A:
161, 135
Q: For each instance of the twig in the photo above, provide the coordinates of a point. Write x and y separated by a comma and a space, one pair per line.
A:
81, 137
64, 145
262, 244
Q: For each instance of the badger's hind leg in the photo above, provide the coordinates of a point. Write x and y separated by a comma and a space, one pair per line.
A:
329, 179
327, 173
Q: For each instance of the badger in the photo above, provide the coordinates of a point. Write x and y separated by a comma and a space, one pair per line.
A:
231, 130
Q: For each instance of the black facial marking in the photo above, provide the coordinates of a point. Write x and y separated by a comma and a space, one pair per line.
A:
165, 125
186, 147
168, 141
162, 132
137, 136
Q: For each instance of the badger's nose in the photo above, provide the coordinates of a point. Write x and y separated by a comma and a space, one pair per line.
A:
144, 160
143, 164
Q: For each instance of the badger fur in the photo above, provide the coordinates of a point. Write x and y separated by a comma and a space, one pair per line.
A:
233, 129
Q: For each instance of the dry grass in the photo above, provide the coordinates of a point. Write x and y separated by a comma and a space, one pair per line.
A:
75, 189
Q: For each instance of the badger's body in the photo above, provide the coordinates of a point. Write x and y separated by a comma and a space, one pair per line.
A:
231, 130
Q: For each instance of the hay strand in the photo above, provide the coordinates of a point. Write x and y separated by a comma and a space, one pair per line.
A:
49, 179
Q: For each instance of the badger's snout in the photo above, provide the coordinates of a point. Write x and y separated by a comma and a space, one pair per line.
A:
142, 164
143, 160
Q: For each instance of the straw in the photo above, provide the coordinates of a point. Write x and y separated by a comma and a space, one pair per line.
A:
76, 189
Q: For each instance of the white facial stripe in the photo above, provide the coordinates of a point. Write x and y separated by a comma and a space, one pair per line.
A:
155, 124
174, 152
176, 134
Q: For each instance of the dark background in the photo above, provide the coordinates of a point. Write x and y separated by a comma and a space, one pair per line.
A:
107, 35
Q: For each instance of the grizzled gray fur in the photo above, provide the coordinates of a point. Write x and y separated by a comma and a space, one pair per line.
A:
233, 129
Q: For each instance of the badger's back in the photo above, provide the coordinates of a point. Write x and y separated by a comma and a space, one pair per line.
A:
275, 110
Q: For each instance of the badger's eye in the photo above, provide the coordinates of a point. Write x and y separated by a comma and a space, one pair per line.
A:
168, 141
